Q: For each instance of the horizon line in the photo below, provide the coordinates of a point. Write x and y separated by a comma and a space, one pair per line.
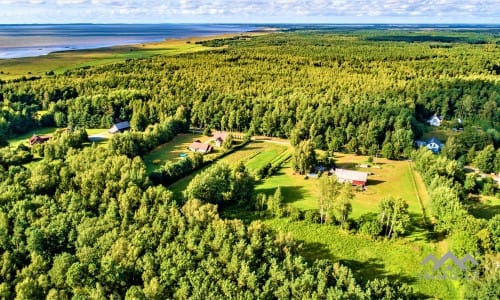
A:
256, 23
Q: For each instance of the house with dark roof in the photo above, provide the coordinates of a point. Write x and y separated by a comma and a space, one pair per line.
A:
200, 147
37, 139
353, 177
120, 127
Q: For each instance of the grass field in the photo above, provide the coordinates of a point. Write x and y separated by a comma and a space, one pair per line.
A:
368, 258
440, 133
388, 178
485, 207
254, 155
59, 62
23, 138
170, 151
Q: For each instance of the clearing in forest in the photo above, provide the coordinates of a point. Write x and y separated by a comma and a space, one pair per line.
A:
387, 178
255, 155
171, 151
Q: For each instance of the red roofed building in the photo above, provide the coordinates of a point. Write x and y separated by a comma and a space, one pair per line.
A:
37, 139
353, 177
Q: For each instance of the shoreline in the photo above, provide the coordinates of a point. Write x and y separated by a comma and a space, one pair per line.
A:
59, 61
61, 48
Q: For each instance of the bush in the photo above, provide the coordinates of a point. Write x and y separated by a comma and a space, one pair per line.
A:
294, 213
312, 216
368, 224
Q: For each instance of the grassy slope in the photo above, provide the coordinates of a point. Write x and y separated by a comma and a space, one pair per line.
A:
397, 260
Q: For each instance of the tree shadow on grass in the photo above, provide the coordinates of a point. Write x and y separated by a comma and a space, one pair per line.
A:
290, 193
314, 251
419, 228
374, 182
482, 210
374, 268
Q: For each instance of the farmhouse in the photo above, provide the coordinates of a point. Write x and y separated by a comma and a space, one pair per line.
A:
435, 120
200, 147
219, 137
36, 139
119, 127
434, 145
353, 177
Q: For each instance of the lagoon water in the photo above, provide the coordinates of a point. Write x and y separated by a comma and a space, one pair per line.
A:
40, 39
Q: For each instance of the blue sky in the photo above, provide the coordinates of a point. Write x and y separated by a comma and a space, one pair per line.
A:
250, 11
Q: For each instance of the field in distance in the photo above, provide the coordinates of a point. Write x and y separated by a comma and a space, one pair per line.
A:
58, 62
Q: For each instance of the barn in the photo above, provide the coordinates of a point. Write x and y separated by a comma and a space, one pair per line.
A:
353, 177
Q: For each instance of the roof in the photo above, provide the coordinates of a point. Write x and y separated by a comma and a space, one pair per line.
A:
119, 127
38, 139
343, 174
220, 135
200, 146
434, 140
122, 125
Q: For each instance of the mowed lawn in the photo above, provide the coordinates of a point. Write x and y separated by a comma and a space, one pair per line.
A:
387, 178
23, 138
253, 155
171, 151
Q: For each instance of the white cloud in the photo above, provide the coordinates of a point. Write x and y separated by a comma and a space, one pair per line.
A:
262, 10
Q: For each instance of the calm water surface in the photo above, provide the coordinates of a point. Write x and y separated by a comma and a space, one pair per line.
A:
35, 40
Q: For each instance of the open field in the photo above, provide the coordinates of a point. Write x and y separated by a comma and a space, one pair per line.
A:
485, 207
388, 178
23, 138
441, 133
254, 155
58, 62
170, 151
368, 258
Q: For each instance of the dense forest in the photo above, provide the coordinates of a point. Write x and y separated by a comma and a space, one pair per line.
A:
343, 91
88, 221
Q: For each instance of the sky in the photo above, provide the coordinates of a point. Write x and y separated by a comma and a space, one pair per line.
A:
249, 11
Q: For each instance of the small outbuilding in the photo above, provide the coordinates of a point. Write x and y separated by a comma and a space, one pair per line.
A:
353, 177
219, 137
119, 127
200, 147
435, 120
37, 139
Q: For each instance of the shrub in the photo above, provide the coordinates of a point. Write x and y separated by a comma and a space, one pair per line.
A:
312, 216
294, 213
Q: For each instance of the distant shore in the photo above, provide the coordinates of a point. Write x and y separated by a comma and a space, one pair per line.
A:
59, 61
20, 41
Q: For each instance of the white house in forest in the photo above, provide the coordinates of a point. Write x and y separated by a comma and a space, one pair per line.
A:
434, 145
435, 120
